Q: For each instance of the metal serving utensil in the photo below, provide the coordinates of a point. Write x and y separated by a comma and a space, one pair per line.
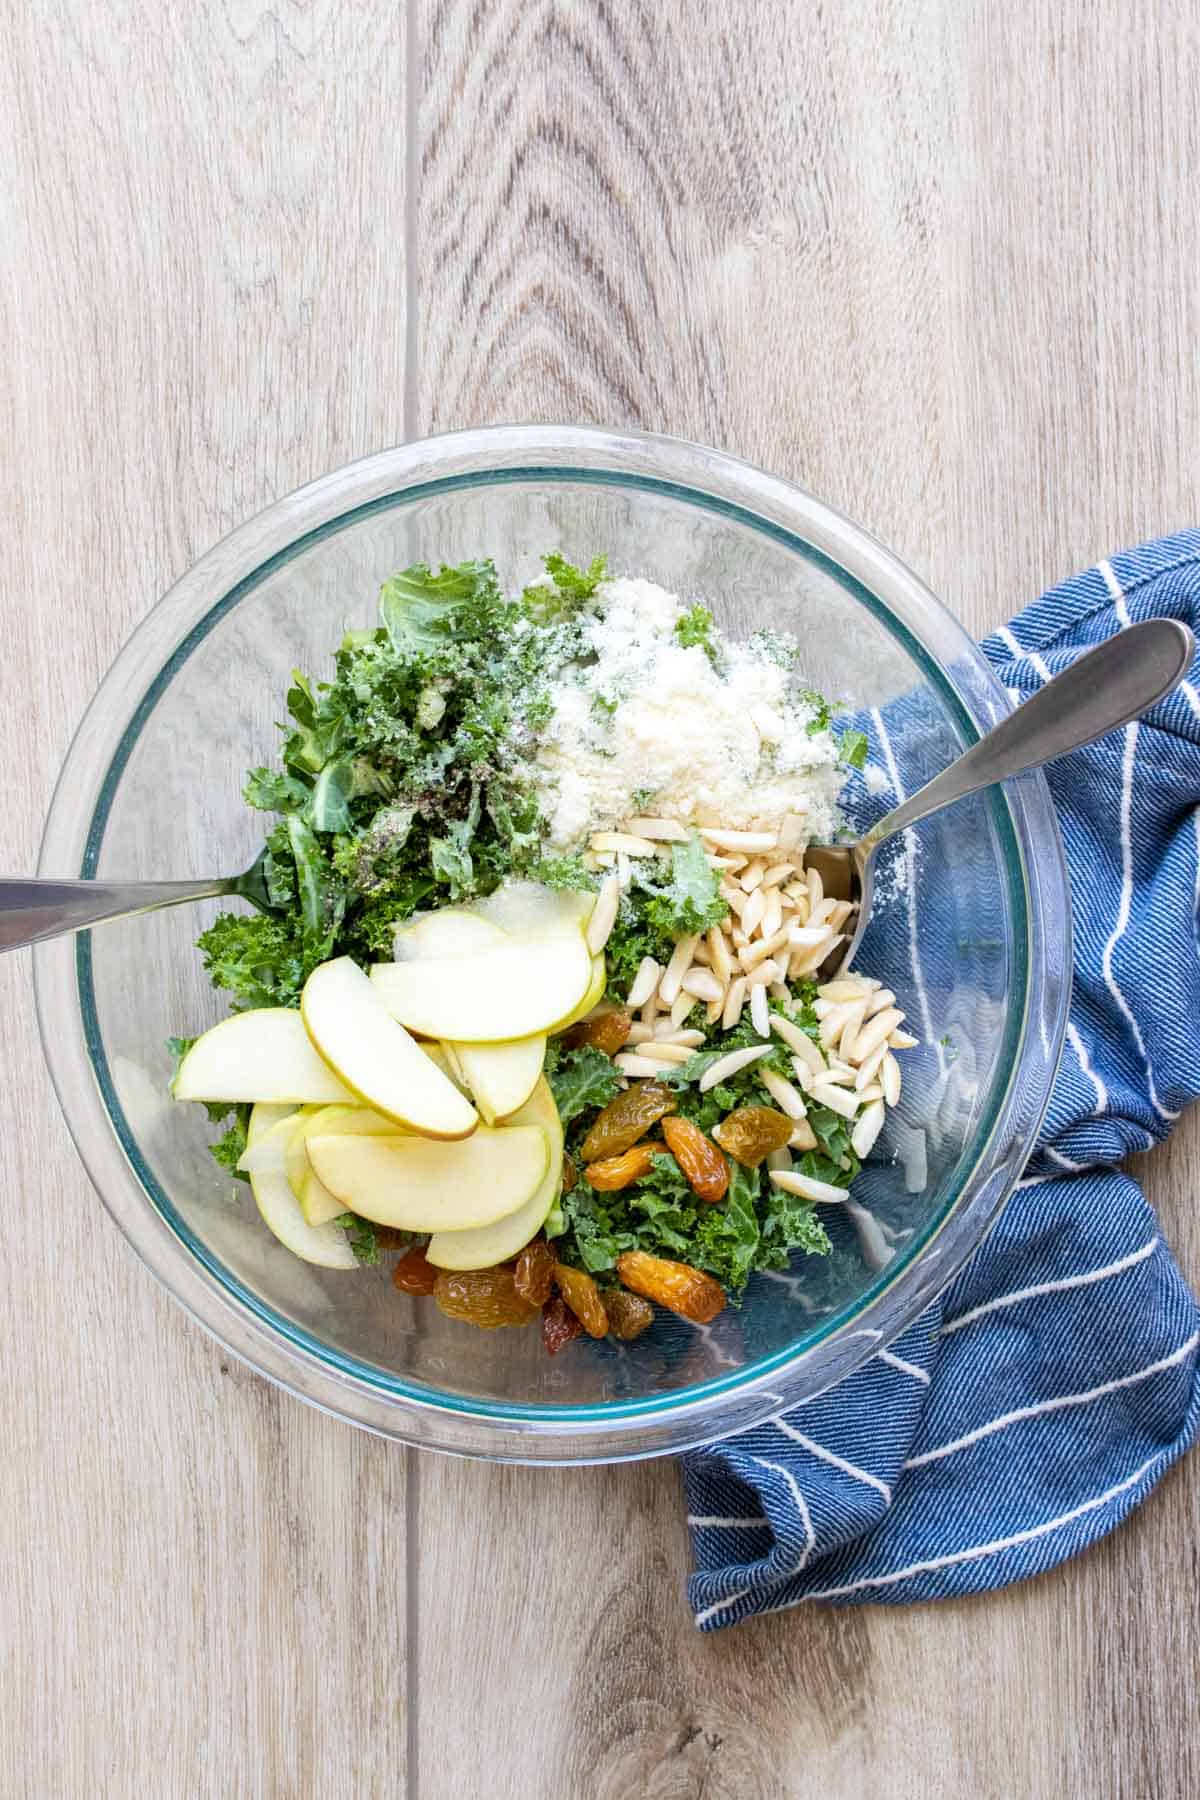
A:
32, 910
1116, 682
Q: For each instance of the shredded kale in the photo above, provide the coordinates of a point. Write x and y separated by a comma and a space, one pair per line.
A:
691, 900
227, 1150
580, 1080
853, 747
258, 959
362, 1237
695, 627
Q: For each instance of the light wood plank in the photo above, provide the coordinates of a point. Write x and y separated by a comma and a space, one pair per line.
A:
202, 306
927, 260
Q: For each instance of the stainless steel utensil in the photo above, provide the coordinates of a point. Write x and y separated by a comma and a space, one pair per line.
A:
1104, 689
31, 910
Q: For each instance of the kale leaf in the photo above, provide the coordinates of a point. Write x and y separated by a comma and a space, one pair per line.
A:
853, 747
691, 901
261, 961
580, 1080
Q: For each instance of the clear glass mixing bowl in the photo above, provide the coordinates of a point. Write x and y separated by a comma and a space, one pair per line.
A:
151, 789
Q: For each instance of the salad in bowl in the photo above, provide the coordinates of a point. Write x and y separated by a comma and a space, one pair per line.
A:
536, 1002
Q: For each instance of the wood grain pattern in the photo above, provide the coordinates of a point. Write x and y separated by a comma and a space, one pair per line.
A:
922, 258
932, 260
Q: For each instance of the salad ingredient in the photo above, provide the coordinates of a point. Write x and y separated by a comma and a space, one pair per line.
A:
628, 1314
583, 1297
675, 1285
514, 991
452, 931
486, 1297
612, 1173
750, 1133
431, 1184
375, 1057
279, 1209
495, 1243
704, 1168
608, 1031
559, 1325
264, 1056
626, 1119
414, 1273
653, 688
533, 1275
500, 1077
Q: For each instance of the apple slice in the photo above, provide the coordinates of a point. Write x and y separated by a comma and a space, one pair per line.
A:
491, 1244
264, 1055
517, 990
325, 1244
528, 909
593, 997
316, 1202
423, 1184
453, 931
501, 1077
375, 1057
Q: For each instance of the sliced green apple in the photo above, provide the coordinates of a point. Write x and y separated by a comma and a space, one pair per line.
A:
375, 1057
454, 931
316, 1202
527, 909
324, 1244
501, 1077
422, 1184
593, 997
265, 1055
517, 990
491, 1244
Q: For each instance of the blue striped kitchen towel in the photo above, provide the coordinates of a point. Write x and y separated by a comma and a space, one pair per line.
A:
1040, 1399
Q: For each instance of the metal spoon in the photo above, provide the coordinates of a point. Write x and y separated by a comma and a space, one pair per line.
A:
1106, 688
1112, 684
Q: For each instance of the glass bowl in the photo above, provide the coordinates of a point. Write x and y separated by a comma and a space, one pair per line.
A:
151, 789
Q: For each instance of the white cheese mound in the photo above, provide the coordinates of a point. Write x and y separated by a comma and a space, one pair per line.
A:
730, 748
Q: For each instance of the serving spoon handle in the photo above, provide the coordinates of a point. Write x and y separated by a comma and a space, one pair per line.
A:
31, 910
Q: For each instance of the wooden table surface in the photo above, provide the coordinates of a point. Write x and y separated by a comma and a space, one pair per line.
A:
937, 261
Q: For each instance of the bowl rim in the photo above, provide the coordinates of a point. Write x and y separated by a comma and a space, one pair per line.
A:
248, 1327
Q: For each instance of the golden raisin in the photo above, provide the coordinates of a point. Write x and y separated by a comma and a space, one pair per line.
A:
705, 1169
486, 1297
752, 1132
677, 1286
583, 1297
414, 1273
613, 1172
605, 1031
628, 1314
559, 1325
569, 1176
626, 1119
533, 1276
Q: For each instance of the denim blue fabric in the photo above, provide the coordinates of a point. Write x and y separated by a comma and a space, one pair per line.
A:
1044, 1394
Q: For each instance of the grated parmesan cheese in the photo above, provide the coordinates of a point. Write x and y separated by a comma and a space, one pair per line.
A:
643, 714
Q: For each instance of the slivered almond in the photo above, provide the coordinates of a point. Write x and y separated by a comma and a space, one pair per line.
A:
810, 937
604, 859
835, 1098
627, 841
822, 911
837, 1077
789, 1099
797, 891
766, 974
902, 1040
735, 999
639, 1034
666, 1053
725, 1066
700, 955
604, 915
649, 1011
751, 876
779, 990
876, 1031
805, 961
843, 987
731, 864
799, 1041
777, 873
840, 913
713, 1010
759, 1011
803, 1074
806, 1186
630, 1063
734, 897
803, 1136
624, 869
781, 1158
676, 969
791, 832
833, 1025
862, 1138
738, 840
752, 954
719, 958
649, 973
681, 1006
772, 917
752, 917
737, 936
890, 1075
816, 887
687, 1040
703, 984
869, 1068
666, 831
884, 997
873, 1092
